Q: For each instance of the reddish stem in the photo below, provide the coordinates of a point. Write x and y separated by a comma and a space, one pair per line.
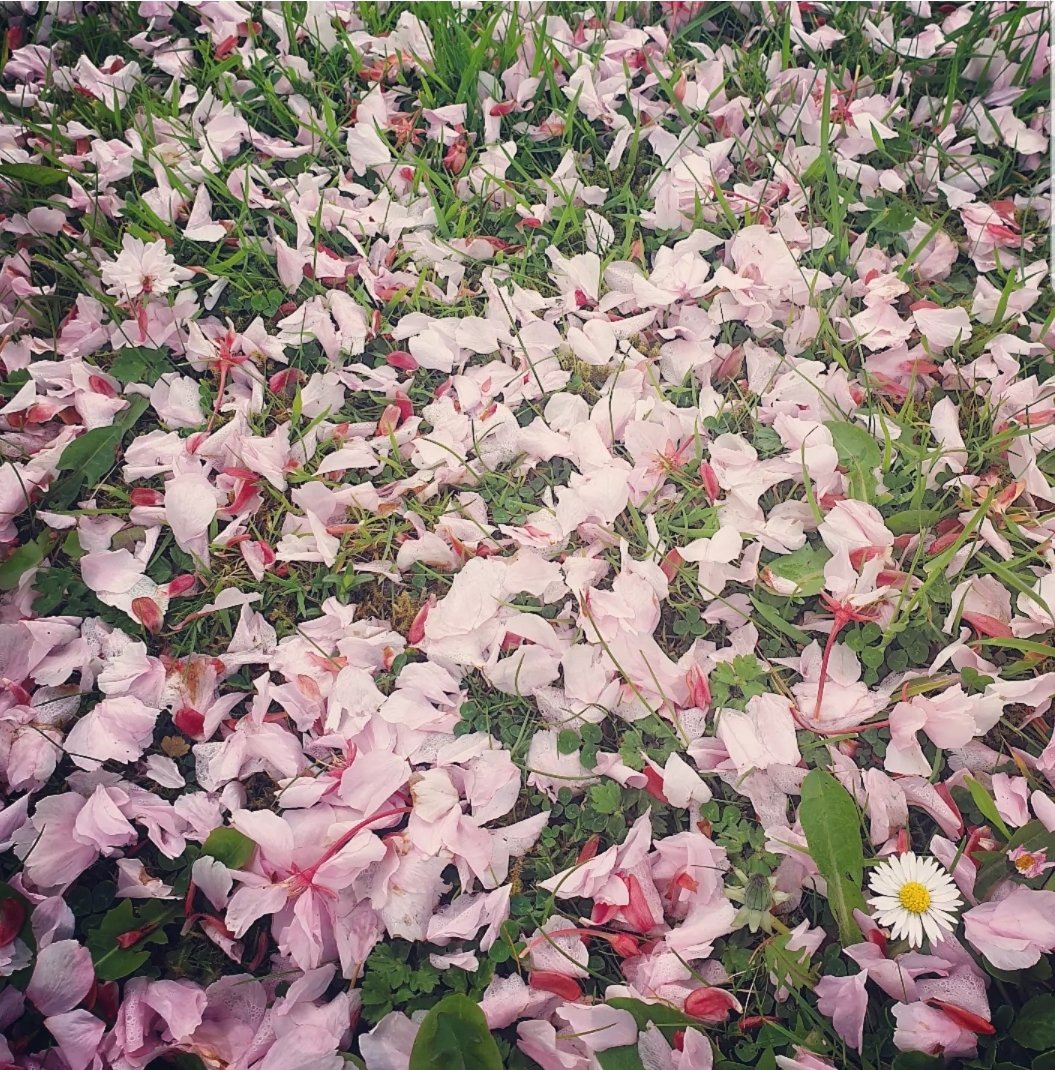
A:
840, 621
306, 876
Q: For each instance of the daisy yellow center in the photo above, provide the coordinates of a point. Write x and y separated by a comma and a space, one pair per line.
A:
1024, 862
914, 897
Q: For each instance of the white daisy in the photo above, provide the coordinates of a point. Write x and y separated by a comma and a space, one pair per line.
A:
914, 896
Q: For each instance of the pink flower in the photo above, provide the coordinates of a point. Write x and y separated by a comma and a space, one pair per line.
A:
1013, 933
300, 882
141, 268
1029, 863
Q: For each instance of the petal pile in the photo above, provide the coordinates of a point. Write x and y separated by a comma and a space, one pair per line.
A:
526, 500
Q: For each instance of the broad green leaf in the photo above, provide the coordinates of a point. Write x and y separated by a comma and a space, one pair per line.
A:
1034, 1026
89, 457
606, 798
112, 962
92, 454
21, 560
33, 174
804, 568
832, 826
455, 1036
138, 365
916, 1060
229, 846
859, 454
626, 1057
177, 1060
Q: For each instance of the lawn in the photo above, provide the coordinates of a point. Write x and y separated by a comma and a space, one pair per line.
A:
527, 536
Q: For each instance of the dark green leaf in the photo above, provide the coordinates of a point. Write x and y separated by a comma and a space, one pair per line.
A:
112, 962
1034, 1026
916, 1060
138, 365
33, 174
229, 846
626, 1057
89, 457
21, 560
92, 454
177, 1060
772, 616
993, 866
455, 1036
832, 826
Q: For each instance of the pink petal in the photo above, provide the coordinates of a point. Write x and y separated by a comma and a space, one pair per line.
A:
78, 1034
61, 977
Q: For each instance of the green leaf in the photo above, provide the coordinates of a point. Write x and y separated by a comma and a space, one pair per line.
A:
21, 560
1045, 1061
138, 365
661, 1015
804, 568
606, 798
626, 1057
229, 846
1034, 1026
90, 456
912, 521
455, 1036
177, 1060
33, 174
859, 454
832, 826
984, 802
916, 1060
112, 962
790, 968
773, 617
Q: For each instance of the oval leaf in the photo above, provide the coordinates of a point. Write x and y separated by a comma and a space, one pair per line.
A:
832, 825
229, 846
1034, 1026
455, 1036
